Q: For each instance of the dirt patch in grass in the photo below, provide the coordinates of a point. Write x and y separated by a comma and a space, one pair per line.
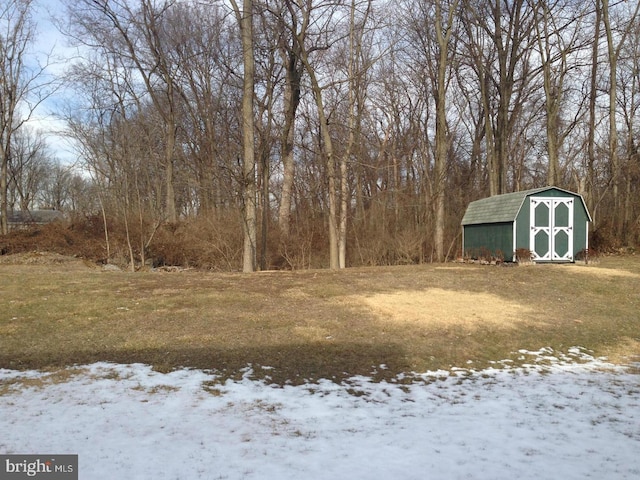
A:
600, 271
43, 258
39, 381
437, 307
625, 351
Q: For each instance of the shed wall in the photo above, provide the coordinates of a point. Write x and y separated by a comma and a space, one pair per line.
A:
495, 239
581, 230
580, 221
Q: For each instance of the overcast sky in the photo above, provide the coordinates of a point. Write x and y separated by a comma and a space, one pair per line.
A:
51, 49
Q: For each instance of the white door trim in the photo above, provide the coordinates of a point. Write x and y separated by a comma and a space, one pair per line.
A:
551, 230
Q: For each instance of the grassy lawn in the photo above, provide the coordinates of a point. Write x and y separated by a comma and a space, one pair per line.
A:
306, 325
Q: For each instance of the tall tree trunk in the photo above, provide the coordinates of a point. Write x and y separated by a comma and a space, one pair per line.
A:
490, 144
344, 205
170, 195
293, 69
614, 163
245, 21
17, 81
443, 37
551, 94
614, 53
344, 187
4, 189
327, 149
334, 257
266, 175
591, 140
500, 36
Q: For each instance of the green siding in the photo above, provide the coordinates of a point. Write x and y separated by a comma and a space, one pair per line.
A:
580, 229
523, 222
495, 239
580, 220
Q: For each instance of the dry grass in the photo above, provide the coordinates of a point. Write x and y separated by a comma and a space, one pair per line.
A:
314, 324
439, 308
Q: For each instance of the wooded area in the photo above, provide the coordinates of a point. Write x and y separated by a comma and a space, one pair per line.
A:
323, 133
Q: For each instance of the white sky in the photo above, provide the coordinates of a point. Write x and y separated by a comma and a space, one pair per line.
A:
50, 43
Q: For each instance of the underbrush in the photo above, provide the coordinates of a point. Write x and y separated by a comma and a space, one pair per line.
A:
215, 242
208, 243
84, 238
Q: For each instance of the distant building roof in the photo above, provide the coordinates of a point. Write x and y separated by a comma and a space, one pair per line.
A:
23, 217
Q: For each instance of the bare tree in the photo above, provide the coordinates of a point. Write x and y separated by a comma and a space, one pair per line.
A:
629, 104
320, 14
591, 181
434, 32
29, 169
558, 29
22, 86
55, 192
115, 134
444, 31
207, 54
613, 51
244, 17
289, 49
373, 137
500, 39
137, 35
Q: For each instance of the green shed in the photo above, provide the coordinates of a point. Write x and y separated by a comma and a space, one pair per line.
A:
550, 222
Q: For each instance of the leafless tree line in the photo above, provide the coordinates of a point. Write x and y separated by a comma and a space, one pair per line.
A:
347, 132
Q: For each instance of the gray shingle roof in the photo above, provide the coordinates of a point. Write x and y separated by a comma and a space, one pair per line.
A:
497, 209
33, 216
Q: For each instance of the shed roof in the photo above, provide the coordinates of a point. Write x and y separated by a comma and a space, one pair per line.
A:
502, 208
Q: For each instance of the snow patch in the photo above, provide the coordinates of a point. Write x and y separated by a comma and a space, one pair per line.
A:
554, 418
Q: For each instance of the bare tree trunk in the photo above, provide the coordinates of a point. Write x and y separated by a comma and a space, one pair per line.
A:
501, 41
171, 212
591, 140
334, 258
105, 225
4, 189
490, 143
551, 93
245, 21
16, 83
266, 174
288, 164
293, 69
344, 187
482, 70
327, 147
442, 141
614, 54
614, 163
344, 205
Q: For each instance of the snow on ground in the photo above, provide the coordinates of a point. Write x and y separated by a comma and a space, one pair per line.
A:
560, 421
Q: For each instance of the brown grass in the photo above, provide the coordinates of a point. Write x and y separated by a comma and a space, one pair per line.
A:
313, 324
438, 308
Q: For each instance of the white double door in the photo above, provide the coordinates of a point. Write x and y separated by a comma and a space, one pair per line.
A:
551, 237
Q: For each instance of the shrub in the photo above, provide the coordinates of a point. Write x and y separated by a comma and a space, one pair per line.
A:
524, 255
